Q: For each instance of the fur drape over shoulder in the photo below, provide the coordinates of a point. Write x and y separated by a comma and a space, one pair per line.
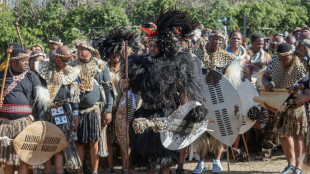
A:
161, 80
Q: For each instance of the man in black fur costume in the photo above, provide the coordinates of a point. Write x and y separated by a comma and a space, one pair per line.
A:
112, 49
159, 78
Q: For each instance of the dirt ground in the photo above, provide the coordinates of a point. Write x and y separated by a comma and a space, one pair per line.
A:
269, 166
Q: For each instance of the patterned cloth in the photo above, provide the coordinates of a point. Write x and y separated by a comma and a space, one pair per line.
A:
10, 129
15, 108
118, 93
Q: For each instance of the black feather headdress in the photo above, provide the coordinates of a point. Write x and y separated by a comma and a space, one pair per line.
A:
114, 42
172, 26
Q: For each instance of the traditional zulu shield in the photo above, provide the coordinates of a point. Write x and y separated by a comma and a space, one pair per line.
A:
247, 92
225, 107
39, 142
179, 133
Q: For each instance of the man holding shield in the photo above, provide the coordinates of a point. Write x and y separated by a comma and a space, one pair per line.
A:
17, 107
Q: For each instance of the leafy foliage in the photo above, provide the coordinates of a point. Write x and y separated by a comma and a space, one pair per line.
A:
41, 19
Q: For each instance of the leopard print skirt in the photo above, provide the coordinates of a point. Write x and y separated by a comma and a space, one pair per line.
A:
292, 122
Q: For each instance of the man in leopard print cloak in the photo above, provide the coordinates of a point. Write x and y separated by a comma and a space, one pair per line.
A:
95, 84
285, 71
63, 92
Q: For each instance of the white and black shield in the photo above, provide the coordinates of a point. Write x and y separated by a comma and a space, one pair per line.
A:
225, 107
178, 132
247, 92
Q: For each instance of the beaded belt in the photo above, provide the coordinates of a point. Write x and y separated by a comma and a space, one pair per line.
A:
15, 108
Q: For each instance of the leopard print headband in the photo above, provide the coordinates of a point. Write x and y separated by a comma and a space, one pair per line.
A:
55, 42
24, 56
68, 57
216, 35
286, 53
36, 55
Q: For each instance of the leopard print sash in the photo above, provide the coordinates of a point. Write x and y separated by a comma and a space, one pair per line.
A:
88, 71
286, 77
220, 58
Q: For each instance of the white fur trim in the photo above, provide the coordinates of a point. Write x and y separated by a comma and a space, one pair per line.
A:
234, 73
36, 65
42, 97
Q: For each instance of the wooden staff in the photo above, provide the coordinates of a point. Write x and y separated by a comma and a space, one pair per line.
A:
127, 121
9, 51
20, 38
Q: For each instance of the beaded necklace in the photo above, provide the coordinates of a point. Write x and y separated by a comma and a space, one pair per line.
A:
14, 83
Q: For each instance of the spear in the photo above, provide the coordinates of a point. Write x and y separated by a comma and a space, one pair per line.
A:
17, 29
9, 51
127, 121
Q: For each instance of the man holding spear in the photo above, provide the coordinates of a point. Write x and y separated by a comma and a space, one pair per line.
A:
18, 102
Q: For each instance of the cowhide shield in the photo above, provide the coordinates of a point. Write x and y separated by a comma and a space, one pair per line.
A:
247, 92
39, 142
225, 107
178, 133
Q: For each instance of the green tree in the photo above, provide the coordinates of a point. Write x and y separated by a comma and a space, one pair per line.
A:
149, 10
8, 32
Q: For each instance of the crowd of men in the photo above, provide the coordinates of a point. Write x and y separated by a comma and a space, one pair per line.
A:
88, 83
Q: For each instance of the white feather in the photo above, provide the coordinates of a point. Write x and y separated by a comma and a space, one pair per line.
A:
42, 97
234, 74
5, 141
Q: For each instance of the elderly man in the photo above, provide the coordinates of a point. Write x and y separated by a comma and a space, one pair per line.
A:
35, 56
94, 81
19, 103
285, 71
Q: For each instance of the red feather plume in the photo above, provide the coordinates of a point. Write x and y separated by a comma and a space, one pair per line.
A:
149, 31
271, 36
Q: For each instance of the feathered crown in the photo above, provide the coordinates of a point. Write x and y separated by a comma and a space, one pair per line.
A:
114, 42
172, 25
